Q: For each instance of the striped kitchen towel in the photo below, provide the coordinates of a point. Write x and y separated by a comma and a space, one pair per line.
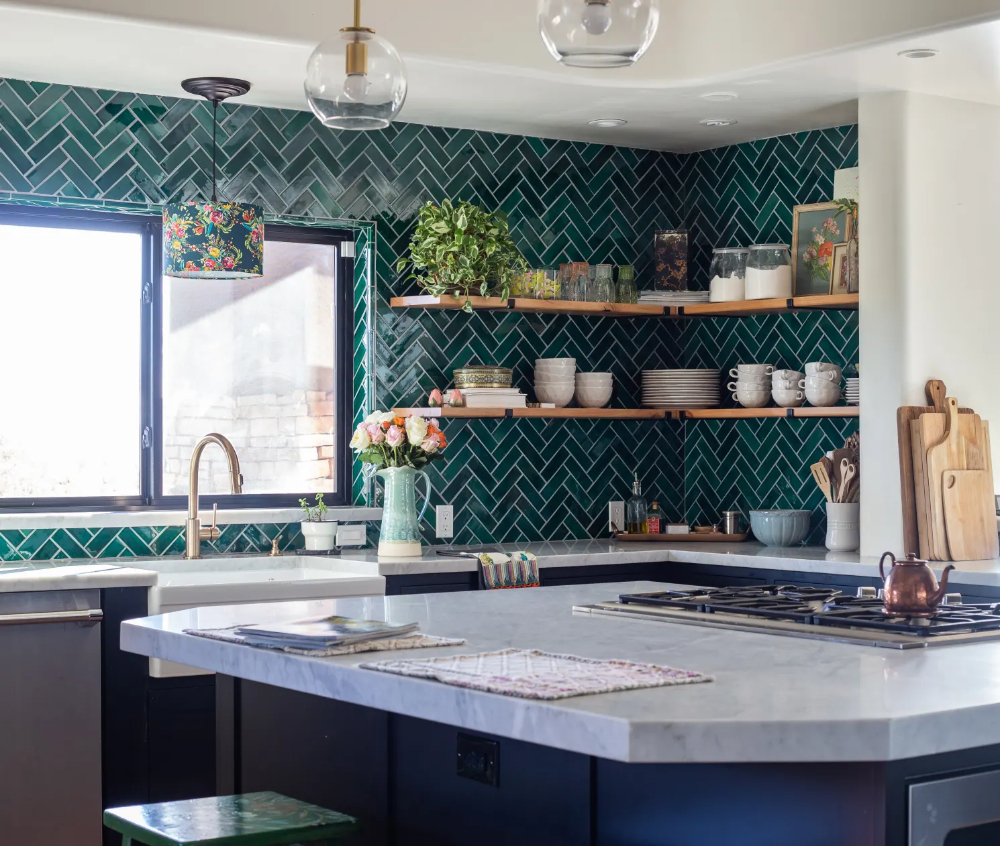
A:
517, 570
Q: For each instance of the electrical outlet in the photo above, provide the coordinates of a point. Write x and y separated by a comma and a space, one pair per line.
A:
616, 515
445, 519
351, 534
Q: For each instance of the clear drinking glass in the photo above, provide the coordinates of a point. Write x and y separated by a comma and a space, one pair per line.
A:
625, 290
579, 281
546, 283
603, 288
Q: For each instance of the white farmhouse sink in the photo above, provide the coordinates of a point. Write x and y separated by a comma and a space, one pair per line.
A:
240, 580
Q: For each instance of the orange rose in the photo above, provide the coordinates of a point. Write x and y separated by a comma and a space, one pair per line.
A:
399, 421
826, 250
386, 424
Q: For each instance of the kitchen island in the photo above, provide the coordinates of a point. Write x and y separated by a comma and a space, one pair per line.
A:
795, 741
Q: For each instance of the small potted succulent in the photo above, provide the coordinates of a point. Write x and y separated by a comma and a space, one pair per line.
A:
320, 534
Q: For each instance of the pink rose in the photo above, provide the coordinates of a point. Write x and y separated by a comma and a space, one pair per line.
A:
431, 444
435, 400
395, 436
376, 433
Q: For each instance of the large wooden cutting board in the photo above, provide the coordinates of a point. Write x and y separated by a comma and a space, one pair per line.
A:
970, 515
905, 415
951, 453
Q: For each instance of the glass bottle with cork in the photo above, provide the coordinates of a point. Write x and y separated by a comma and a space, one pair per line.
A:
636, 517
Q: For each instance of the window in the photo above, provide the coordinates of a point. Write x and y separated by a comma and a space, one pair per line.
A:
112, 374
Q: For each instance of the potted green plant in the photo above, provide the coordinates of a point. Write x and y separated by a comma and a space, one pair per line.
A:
320, 534
462, 249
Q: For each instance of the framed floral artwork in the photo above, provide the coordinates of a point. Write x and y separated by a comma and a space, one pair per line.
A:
839, 278
816, 230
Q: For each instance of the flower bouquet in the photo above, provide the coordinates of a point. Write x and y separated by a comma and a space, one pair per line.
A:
384, 439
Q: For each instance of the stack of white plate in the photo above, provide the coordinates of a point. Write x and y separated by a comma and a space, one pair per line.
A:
673, 297
852, 393
680, 388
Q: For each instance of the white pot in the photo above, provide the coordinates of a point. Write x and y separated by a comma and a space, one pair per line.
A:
320, 536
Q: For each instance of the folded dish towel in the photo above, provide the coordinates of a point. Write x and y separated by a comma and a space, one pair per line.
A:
517, 570
531, 674
413, 641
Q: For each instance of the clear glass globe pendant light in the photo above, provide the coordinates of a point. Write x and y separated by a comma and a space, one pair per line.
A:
598, 33
356, 80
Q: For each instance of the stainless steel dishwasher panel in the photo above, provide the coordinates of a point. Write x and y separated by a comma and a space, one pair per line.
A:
50, 718
938, 808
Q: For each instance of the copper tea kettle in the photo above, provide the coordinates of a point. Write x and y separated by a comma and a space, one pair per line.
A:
910, 588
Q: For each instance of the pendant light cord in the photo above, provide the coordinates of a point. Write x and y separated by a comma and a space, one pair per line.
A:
215, 129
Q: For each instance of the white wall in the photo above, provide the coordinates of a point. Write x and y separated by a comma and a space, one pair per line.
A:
930, 299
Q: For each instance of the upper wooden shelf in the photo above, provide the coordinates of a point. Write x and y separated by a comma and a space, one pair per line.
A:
838, 302
633, 413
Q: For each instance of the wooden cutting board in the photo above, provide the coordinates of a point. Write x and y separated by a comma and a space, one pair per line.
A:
904, 416
918, 490
970, 515
947, 454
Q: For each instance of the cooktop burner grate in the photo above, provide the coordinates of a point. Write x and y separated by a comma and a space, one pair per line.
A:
820, 607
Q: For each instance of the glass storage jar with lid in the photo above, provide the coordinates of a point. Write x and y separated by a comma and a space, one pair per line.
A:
769, 272
728, 272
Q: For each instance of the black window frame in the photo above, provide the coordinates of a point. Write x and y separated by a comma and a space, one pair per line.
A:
150, 314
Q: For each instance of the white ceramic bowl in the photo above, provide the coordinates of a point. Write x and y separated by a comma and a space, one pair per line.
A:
593, 397
568, 367
750, 387
594, 377
559, 397
548, 362
752, 399
815, 368
787, 375
821, 384
569, 384
823, 397
549, 375
787, 398
753, 369
788, 384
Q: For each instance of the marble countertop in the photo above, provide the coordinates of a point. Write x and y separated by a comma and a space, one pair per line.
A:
807, 559
21, 576
773, 699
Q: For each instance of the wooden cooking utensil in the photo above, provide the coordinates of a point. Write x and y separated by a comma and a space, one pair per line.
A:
904, 416
970, 515
847, 473
949, 454
822, 479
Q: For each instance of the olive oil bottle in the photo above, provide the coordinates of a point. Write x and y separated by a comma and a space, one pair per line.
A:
635, 510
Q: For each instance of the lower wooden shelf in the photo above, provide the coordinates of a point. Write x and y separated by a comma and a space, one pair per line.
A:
633, 413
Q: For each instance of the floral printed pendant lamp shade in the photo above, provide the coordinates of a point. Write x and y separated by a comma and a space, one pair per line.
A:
213, 240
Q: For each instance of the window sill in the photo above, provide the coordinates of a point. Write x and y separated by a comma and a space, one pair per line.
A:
117, 519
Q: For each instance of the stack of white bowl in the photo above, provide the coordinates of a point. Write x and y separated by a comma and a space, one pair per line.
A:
752, 388
853, 391
822, 384
787, 388
555, 380
593, 390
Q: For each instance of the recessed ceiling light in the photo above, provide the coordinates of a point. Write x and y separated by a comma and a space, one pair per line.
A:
919, 53
608, 123
719, 96
718, 122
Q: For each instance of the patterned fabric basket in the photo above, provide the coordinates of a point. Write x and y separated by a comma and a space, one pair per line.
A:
517, 570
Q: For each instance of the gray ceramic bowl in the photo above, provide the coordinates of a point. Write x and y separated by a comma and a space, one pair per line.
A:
780, 528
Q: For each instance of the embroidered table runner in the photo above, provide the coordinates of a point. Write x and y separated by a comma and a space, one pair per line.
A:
413, 641
531, 674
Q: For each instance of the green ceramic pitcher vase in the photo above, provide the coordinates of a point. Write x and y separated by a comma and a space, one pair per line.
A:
400, 534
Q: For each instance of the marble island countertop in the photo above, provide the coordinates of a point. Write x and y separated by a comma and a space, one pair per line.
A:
773, 699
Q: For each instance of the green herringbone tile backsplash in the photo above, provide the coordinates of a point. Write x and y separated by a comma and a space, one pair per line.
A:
509, 480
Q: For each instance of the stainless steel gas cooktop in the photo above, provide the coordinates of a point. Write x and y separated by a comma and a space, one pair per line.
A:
819, 613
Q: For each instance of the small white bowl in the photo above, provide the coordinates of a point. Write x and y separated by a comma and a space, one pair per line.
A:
820, 383
788, 384
559, 397
754, 369
823, 397
752, 399
787, 398
815, 368
787, 375
743, 376
552, 362
594, 377
555, 380
593, 397
750, 387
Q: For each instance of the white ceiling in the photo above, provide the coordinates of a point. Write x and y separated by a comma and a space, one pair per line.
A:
480, 63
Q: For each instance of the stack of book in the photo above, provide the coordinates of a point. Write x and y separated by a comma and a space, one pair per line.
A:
321, 632
494, 398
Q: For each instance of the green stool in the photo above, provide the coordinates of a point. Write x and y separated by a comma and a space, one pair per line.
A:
251, 819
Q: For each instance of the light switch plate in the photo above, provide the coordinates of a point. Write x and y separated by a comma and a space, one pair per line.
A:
616, 515
445, 520
351, 535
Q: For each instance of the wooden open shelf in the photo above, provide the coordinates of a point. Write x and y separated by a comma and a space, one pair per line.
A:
632, 413
839, 302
